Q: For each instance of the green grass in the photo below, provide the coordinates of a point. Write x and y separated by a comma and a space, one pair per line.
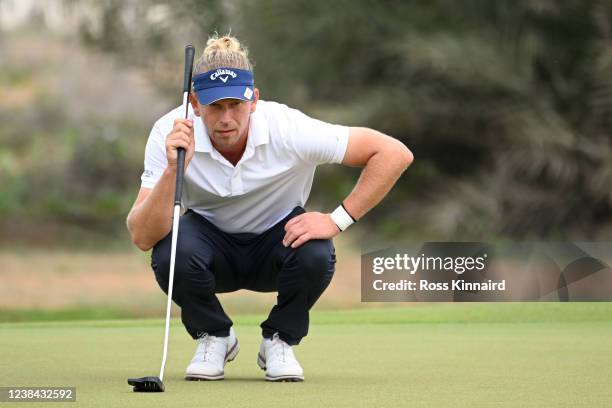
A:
70, 314
448, 355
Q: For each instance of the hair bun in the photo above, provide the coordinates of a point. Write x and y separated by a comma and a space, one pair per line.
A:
223, 51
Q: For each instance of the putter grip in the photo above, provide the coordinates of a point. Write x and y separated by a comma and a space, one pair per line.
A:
189, 53
180, 163
180, 171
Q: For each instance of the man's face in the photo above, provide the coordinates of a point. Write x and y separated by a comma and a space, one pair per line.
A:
227, 120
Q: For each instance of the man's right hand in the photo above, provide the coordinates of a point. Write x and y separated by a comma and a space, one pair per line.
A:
180, 136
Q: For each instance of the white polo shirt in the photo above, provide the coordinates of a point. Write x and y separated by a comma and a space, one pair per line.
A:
273, 176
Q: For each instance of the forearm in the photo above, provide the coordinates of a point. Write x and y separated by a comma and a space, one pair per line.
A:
379, 175
151, 220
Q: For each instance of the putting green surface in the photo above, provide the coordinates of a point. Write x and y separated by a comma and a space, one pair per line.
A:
447, 355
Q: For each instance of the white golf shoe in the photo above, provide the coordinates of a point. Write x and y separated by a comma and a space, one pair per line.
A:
277, 358
210, 357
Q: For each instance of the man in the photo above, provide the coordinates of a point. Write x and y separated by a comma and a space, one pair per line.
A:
248, 172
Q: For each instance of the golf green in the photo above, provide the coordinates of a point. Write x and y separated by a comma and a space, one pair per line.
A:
444, 355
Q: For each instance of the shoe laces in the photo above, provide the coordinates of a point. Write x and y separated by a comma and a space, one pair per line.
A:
280, 348
206, 346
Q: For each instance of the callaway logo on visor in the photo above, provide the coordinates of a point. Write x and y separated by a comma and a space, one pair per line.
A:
223, 74
222, 83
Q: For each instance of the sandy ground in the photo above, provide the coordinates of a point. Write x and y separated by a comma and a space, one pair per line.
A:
58, 279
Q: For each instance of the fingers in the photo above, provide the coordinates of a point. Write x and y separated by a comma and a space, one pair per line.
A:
293, 231
308, 226
183, 126
292, 234
181, 136
301, 240
293, 221
182, 132
296, 239
176, 143
187, 122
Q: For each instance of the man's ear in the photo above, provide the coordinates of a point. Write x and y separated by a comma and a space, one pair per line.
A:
194, 104
255, 99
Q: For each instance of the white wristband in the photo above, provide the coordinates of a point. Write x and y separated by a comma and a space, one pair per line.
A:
342, 218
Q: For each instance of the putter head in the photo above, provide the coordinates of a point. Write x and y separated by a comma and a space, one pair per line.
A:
147, 384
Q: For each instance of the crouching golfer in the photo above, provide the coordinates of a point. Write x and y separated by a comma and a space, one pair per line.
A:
249, 170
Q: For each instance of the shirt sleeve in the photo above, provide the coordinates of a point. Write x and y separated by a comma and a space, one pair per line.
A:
314, 141
155, 161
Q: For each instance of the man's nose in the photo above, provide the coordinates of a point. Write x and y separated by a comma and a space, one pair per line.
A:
226, 115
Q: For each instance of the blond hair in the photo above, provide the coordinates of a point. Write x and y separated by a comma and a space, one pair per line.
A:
223, 51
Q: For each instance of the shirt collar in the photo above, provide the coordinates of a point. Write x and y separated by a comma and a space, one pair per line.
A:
258, 132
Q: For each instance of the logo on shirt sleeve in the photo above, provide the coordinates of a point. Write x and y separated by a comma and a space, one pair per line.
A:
148, 173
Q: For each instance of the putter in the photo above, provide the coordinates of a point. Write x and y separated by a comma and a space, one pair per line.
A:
156, 384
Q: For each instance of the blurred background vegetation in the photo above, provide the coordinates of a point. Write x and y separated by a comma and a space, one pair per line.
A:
506, 105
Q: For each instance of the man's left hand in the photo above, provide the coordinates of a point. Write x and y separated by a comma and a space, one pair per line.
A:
307, 226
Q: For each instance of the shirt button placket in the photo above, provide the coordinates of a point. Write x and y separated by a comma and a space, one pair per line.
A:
236, 182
